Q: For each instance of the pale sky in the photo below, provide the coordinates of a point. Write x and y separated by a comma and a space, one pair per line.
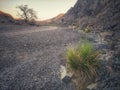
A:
45, 8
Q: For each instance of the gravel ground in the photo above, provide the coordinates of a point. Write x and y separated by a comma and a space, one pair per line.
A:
30, 57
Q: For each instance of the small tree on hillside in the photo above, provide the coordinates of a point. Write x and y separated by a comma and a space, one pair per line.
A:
28, 14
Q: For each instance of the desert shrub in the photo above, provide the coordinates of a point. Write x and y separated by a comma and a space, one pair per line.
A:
87, 30
83, 63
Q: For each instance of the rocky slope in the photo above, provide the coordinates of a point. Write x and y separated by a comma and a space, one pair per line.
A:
101, 16
6, 18
95, 13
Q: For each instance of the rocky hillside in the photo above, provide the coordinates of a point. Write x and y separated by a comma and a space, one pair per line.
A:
101, 16
6, 18
56, 20
98, 13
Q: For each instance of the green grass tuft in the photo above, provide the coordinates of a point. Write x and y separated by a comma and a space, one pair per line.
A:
83, 62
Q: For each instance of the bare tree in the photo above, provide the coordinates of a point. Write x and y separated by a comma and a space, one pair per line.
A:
28, 14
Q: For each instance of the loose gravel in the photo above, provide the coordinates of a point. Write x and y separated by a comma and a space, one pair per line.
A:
30, 57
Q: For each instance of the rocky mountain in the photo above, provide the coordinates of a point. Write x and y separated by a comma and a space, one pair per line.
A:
94, 12
102, 16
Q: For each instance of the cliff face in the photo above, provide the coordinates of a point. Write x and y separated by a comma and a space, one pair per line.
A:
104, 17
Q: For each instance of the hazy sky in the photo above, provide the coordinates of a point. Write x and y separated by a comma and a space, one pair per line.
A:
45, 8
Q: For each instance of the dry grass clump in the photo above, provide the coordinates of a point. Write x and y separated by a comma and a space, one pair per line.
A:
83, 63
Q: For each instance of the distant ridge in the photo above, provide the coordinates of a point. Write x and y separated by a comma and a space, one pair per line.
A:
5, 14
55, 19
6, 18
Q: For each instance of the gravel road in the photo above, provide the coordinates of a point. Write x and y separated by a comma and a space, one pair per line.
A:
30, 57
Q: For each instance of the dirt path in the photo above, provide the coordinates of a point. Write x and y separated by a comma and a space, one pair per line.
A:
30, 59
30, 30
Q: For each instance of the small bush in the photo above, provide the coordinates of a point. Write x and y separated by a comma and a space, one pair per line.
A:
87, 30
83, 63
